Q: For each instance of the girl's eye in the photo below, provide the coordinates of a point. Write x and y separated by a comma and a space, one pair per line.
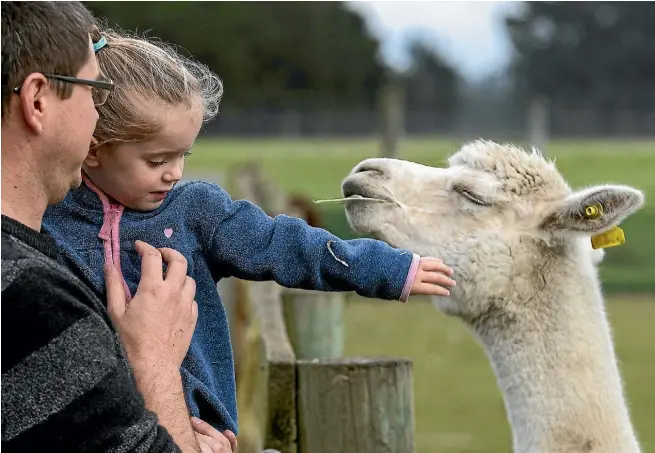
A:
153, 163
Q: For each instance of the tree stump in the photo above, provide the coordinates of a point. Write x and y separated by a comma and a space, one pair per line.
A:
314, 321
362, 405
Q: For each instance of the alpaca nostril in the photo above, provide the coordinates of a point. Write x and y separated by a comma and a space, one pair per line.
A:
368, 167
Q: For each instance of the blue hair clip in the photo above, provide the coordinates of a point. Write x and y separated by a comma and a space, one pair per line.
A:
102, 42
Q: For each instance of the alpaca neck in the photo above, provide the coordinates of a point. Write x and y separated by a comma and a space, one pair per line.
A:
559, 376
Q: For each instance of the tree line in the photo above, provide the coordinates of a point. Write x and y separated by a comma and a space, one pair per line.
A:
279, 56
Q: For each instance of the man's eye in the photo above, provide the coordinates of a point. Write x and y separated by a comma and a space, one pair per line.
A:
156, 164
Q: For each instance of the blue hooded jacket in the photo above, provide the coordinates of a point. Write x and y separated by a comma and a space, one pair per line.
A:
220, 238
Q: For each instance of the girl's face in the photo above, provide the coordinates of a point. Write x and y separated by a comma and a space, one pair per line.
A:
140, 175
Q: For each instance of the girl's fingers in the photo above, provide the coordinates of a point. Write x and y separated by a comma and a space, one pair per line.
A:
435, 265
428, 289
437, 278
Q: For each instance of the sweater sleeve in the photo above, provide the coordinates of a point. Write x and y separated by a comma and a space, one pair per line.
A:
247, 243
65, 384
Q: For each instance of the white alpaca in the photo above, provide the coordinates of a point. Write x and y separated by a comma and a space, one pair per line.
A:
518, 239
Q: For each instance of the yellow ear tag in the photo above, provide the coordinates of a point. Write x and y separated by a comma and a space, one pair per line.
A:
611, 237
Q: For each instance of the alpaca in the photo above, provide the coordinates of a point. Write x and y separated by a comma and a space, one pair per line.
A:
518, 239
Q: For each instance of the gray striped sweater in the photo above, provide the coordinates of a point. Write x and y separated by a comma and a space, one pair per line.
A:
66, 384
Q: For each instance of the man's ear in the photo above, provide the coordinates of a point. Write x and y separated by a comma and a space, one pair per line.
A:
594, 210
33, 100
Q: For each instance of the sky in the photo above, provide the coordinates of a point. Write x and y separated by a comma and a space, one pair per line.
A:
471, 35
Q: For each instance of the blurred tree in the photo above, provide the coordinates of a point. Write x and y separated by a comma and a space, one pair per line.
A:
272, 55
596, 55
432, 85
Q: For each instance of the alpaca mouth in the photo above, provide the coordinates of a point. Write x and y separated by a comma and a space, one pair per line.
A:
353, 191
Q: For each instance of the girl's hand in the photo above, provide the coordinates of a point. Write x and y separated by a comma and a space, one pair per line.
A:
432, 278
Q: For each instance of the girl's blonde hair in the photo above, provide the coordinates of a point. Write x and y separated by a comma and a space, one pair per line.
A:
148, 70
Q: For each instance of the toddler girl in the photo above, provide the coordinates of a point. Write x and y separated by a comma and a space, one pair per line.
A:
130, 192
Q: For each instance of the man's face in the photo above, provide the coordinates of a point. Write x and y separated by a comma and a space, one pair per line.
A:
69, 127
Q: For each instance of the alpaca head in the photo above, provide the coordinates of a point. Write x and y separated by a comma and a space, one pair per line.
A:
496, 214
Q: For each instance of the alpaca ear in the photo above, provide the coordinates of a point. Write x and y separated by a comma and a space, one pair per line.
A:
594, 210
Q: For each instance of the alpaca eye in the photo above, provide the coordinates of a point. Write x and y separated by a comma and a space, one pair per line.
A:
470, 196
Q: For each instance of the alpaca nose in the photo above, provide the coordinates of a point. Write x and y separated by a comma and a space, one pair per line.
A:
371, 166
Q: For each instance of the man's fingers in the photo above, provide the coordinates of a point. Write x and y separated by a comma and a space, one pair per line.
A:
176, 265
209, 445
194, 312
204, 428
116, 299
188, 291
151, 262
232, 438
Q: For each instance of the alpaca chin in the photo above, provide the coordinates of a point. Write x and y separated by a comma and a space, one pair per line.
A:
446, 305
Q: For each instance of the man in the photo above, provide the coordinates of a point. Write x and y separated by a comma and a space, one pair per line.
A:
66, 382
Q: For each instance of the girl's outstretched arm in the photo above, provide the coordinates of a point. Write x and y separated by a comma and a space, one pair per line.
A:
244, 242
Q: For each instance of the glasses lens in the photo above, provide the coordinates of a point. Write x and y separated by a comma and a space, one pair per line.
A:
100, 95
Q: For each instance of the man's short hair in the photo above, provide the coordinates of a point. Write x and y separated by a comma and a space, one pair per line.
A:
47, 37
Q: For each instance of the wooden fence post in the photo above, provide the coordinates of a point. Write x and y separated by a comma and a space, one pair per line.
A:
362, 405
281, 429
393, 117
271, 410
314, 322
539, 124
252, 371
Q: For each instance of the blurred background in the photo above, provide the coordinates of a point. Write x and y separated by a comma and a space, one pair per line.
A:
311, 88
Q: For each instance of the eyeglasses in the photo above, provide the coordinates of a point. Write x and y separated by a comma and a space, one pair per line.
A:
100, 89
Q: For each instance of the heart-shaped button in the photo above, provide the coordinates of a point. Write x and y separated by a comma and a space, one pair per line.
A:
168, 232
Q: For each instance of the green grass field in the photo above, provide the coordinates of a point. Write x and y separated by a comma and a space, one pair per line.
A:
458, 406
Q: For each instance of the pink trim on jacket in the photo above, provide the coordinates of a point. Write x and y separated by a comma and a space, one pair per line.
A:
411, 276
110, 231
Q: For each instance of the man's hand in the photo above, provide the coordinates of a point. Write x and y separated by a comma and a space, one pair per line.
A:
212, 441
156, 329
157, 325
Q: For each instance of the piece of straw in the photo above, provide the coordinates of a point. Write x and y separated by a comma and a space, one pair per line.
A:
343, 200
